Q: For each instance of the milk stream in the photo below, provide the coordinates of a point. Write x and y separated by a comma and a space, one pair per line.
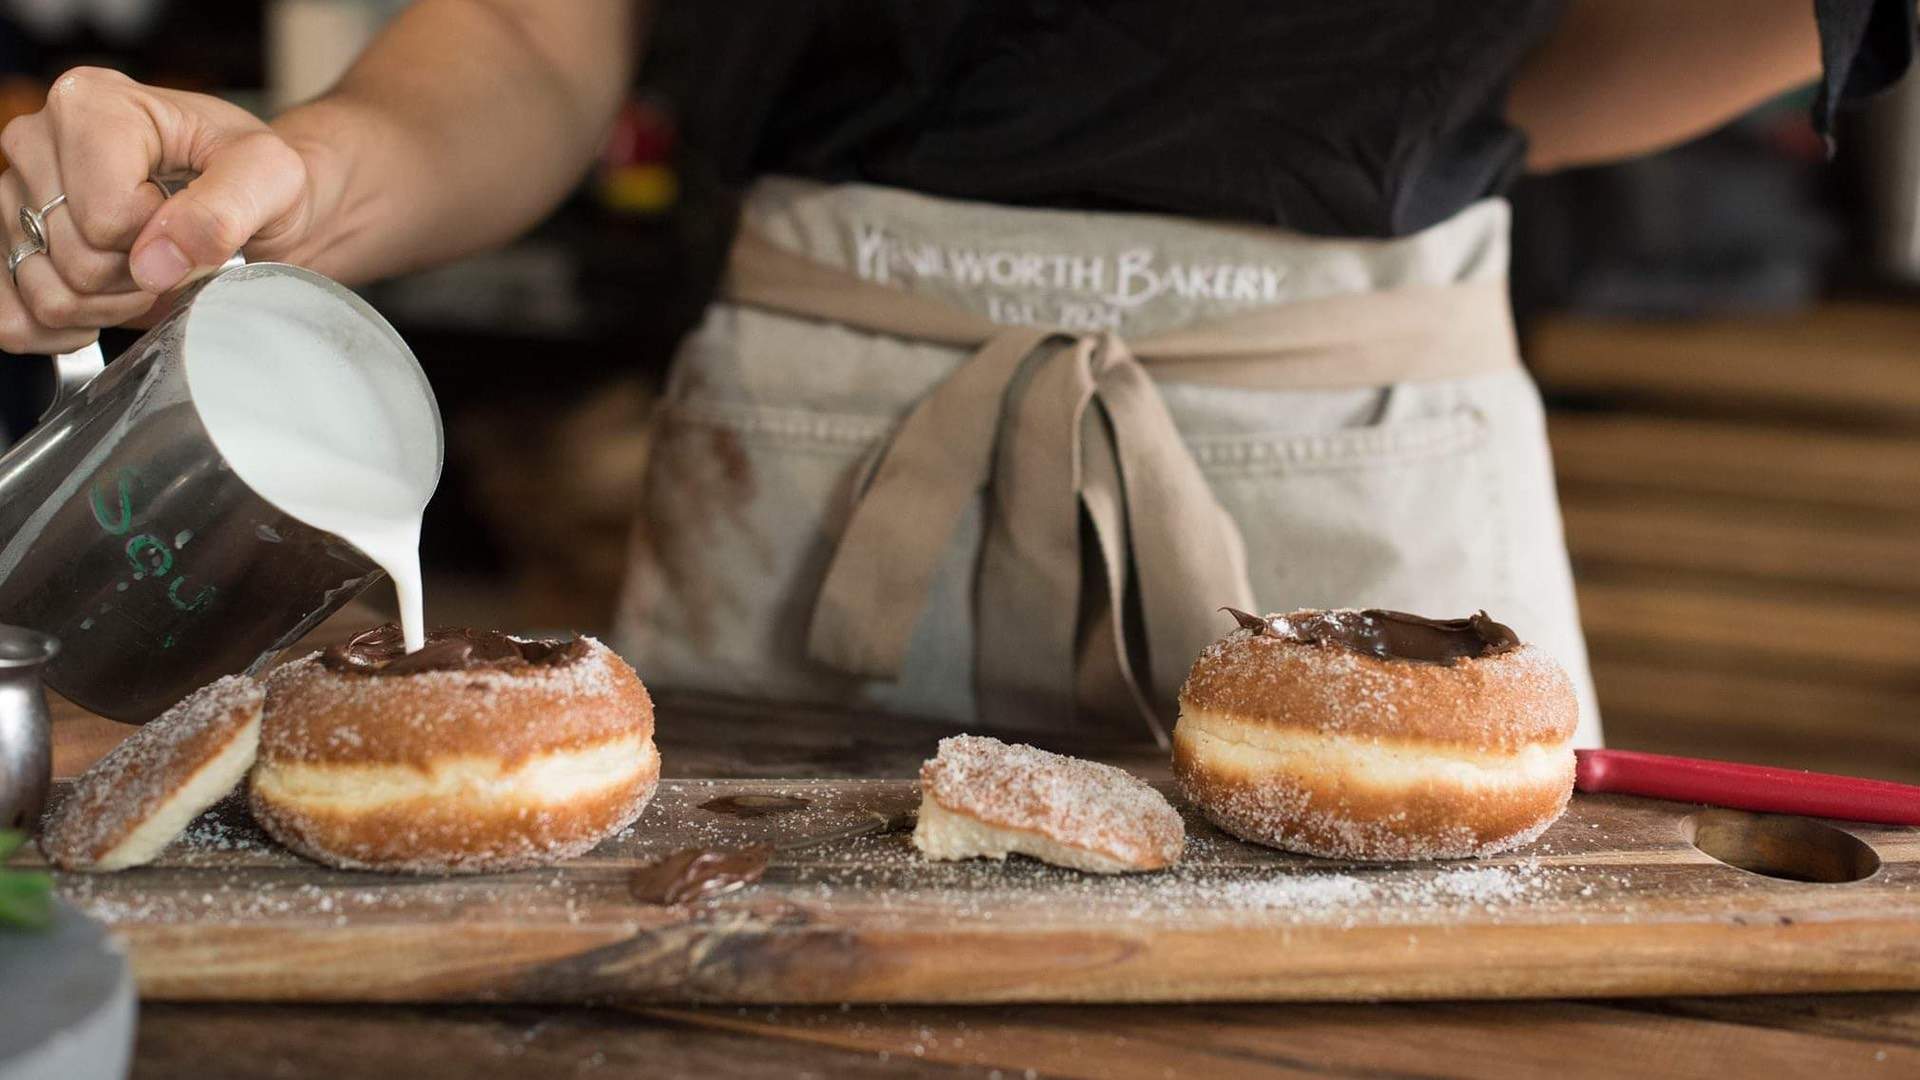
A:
317, 416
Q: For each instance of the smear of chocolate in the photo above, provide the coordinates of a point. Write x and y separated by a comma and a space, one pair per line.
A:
382, 651
1392, 635
693, 874
1250, 621
749, 805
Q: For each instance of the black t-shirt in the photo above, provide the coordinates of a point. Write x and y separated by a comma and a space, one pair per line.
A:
1354, 118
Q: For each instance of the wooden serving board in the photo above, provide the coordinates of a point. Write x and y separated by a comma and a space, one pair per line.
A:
1614, 900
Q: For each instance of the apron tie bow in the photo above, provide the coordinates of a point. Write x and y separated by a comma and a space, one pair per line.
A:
1054, 429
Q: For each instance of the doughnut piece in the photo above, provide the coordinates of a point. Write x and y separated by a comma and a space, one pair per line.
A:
132, 803
481, 752
1333, 733
982, 798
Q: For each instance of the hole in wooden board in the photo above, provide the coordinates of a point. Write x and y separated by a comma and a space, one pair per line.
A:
1781, 846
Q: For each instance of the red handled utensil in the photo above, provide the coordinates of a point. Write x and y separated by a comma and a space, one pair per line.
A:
1746, 787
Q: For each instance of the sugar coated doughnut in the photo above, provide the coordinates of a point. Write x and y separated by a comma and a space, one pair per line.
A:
982, 798
125, 809
1376, 735
479, 752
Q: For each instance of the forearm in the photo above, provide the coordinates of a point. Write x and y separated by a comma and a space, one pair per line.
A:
465, 123
1624, 77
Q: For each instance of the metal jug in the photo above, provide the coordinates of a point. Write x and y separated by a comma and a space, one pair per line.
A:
26, 738
125, 534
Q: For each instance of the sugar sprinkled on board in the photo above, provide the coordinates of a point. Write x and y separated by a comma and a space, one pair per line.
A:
233, 874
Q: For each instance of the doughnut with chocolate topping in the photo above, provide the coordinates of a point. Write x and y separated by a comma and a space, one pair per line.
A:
1376, 735
479, 752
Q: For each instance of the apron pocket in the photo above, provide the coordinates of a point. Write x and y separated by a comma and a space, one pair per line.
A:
1403, 514
741, 504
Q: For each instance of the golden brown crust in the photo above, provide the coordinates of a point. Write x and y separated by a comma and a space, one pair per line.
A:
1497, 703
127, 787
462, 771
1345, 816
426, 835
317, 716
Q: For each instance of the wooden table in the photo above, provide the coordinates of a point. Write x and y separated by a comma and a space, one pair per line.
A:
1825, 1036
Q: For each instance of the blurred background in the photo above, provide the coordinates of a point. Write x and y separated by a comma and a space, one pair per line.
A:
1728, 336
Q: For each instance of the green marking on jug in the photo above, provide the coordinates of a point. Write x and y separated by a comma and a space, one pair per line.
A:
124, 484
148, 554
199, 599
149, 542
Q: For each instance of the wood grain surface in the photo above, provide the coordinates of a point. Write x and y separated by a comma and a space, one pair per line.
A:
1820, 1036
1614, 900
1865, 1035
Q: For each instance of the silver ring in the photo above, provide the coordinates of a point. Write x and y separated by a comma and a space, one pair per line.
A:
20, 253
33, 223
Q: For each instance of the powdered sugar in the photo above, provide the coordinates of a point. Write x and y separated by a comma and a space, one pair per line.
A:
1213, 885
223, 871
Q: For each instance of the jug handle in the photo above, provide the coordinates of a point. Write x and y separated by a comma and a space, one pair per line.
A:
73, 371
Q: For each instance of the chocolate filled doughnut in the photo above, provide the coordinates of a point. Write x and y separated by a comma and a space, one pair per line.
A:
479, 752
1376, 735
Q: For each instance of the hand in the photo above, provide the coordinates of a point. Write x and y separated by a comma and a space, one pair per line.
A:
118, 244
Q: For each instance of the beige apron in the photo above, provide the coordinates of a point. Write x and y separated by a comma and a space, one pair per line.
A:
970, 461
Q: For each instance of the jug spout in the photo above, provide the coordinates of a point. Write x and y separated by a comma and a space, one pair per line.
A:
26, 731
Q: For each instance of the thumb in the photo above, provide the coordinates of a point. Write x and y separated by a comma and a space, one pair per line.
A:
249, 184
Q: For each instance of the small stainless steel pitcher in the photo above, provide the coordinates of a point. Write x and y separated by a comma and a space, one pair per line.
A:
126, 535
26, 736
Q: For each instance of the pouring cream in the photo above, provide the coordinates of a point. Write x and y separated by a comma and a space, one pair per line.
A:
318, 420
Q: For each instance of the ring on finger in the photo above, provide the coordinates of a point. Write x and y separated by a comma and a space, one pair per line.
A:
20, 253
33, 223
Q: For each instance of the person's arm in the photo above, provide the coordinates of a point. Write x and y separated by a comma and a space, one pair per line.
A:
1618, 78
463, 124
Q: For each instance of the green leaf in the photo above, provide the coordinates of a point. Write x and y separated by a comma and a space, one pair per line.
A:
26, 896
26, 899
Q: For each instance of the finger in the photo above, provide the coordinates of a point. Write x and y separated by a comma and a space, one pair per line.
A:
249, 182
104, 133
63, 322
112, 134
85, 270
56, 306
21, 333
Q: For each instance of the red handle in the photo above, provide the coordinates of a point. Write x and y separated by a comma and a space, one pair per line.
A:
1746, 787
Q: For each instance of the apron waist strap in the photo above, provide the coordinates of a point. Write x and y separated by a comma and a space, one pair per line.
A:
1054, 424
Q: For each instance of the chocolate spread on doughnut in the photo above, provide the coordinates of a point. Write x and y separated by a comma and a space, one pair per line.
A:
382, 651
1391, 635
698, 874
